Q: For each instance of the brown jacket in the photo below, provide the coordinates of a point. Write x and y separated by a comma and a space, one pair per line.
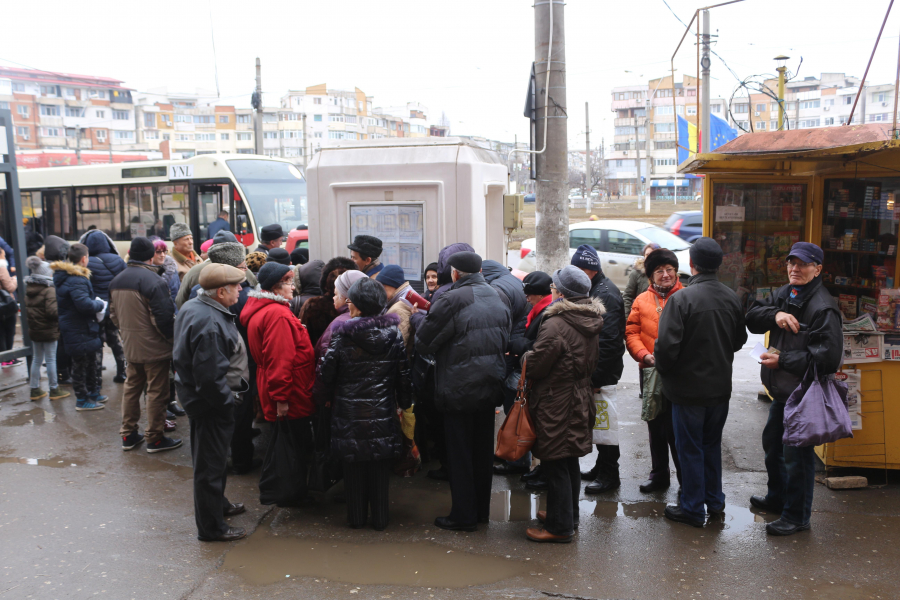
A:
559, 367
142, 308
184, 262
40, 302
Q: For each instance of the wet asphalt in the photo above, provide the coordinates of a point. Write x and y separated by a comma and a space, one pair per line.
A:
80, 518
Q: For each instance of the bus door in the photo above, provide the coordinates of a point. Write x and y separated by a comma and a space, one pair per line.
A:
211, 199
58, 208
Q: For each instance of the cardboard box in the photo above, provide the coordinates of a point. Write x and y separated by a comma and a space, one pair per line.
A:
863, 348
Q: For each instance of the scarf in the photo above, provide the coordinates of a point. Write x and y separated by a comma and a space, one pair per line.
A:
798, 294
544, 303
663, 292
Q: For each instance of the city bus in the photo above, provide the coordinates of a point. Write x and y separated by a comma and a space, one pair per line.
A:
146, 198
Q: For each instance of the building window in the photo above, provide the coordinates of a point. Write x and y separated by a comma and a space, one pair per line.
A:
204, 119
760, 108
120, 115
101, 94
48, 90
101, 135
124, 136
848, 100
760, 125
317, 134
317, 101
829, 120
167, 119
51, 132
880, 97
773, 125
879, 118
790, 106
74, 111
101, 114
663, 145
692, 92
24, 132
742, 108
4, 105
289, 117
182, 137
271, 152
223, 118
270, 135
270, 118
48, 110
244, 137
665, 162
809, 123
182, 118
22, 109
692, 110
317, 118
149, 119
243, 119
151, 135
18, 87
224, 136
336, 118
245, 151
166, 137
829, 102
810, 104
665, 127
204, 137
335, 135
716, 108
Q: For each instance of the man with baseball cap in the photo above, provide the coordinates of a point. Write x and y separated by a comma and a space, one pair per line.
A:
366, 252
270, 236
700, 329
210, 374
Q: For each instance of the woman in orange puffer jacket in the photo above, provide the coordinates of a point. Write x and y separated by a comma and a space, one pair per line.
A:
641, 331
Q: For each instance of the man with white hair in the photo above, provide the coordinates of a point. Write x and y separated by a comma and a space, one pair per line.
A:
467, 331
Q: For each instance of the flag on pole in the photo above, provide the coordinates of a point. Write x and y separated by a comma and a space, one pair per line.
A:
688, 139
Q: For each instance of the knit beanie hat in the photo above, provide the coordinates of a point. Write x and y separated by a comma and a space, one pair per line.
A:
706, 254
345, 280
141, 249
227, 253
391, 275
38, 267
280, 256
658, 258
255, 260
270, 274
571, 282
178, 231
586, 258
204, 247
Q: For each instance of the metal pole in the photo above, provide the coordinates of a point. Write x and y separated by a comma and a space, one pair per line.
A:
259, 110
781, 71
587, 161
552, 165
705, 64
862, 83
896, 90
638, 186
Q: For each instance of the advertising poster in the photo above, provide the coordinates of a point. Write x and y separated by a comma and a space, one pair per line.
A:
401, 231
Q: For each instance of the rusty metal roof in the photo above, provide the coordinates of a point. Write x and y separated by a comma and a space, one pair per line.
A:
798, 140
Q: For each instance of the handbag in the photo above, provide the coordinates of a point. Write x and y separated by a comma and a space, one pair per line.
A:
8, 305
651, 400
606, 424
281, 481
325, 470
516, 436
816, 412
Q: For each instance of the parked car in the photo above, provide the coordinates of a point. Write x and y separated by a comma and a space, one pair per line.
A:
686, 224
619, 244
529, 198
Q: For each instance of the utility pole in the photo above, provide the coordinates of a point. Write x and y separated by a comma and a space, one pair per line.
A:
781, 71
78, 145
552, 214
303, 147
704, 83
259, 109
516, 167
639, 186
587, 160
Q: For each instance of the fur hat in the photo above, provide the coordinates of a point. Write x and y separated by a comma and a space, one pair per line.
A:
658, 258
341, 263
178, 231
271, 232
255, 260
227, 253
367, 245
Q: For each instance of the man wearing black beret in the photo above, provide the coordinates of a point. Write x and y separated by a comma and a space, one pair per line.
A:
270, 236
366, 252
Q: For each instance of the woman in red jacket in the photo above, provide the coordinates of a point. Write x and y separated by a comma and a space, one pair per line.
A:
283, 353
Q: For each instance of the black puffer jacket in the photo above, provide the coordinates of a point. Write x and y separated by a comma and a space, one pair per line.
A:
444, 271
365, 375
104, 262
513, 296
612, 336
78, 327
467, 331
820, 339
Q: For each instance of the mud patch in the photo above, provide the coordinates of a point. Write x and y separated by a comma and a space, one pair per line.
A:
35, 416
269, 558
54, 462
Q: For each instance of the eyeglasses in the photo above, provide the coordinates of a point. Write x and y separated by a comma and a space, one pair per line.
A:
163, 251
670, 271
797, 264
552, 287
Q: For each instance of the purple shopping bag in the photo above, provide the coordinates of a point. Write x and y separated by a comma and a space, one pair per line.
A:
816, 412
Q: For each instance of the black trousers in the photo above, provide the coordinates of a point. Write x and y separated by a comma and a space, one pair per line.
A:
430, 429
210, 437
470, 464
607, 463
564, 477
662, 442
366, 483
86, 375
109, 333
242, 439
63, 360
8, 332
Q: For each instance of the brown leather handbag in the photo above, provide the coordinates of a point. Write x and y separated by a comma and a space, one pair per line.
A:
516, 436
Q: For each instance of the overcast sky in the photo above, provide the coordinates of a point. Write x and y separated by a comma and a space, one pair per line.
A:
467, 58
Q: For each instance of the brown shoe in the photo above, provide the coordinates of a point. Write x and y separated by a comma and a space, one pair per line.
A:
542, 535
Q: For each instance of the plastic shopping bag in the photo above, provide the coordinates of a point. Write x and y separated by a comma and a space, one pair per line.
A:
606, 425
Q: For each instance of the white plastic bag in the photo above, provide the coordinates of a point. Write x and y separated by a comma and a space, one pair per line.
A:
606, 425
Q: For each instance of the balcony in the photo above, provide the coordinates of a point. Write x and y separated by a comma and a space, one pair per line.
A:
51, 121
631, 103
627, 122
663, 137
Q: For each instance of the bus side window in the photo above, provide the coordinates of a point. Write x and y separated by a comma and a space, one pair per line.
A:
96, 208
174, 207
59, 213
140, 210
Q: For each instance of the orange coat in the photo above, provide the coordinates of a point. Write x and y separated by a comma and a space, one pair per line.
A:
642, 327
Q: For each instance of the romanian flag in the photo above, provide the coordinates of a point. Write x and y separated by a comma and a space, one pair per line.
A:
689, 137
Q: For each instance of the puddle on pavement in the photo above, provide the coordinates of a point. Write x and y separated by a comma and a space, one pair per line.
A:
510, 505
35, 416
736, 518
268, 558
54, 462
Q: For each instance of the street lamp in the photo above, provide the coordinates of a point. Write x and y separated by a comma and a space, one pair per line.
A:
781, 59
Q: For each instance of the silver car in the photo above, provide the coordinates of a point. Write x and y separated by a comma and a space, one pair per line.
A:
619, 244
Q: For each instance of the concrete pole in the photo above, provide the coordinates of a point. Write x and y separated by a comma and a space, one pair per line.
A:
587, 160
78, 145
259, 111
705, 136
781, 71
638, 187
552, 165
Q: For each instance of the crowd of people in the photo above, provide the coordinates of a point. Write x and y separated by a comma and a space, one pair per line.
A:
368, 377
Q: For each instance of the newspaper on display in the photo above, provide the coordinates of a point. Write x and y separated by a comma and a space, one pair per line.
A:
400, 229
853, 378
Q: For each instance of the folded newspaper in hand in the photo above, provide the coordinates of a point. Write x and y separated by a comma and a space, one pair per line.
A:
102, 314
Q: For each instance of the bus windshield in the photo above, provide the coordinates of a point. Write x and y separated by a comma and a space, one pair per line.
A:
275, 191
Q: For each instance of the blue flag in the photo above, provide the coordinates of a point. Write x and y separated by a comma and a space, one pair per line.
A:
721, 133
689, 139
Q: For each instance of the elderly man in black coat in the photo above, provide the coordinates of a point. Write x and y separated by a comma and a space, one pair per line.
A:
467, 331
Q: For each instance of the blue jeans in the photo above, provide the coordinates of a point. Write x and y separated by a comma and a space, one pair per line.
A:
44, 351
698, 438
792, 470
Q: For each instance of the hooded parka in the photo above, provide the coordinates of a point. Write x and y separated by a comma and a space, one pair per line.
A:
78, 326
40, 302
560, 368
104, 262
637, 285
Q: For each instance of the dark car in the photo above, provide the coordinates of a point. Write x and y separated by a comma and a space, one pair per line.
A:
529, 198
686, 224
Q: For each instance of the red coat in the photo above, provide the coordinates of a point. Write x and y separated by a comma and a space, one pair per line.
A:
286, 363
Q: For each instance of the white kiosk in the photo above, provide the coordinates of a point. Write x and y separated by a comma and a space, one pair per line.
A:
416, 194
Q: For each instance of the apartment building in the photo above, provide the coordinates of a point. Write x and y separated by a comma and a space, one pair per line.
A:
333, 115
66, 111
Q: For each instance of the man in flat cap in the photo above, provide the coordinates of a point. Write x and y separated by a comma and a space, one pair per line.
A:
270, 236
366, 252
467, 331
183, 248
210, 370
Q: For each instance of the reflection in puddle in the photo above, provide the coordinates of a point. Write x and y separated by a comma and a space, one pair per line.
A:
509, 505
267, 558
150, 464
54, 462
736, 518
35, 416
